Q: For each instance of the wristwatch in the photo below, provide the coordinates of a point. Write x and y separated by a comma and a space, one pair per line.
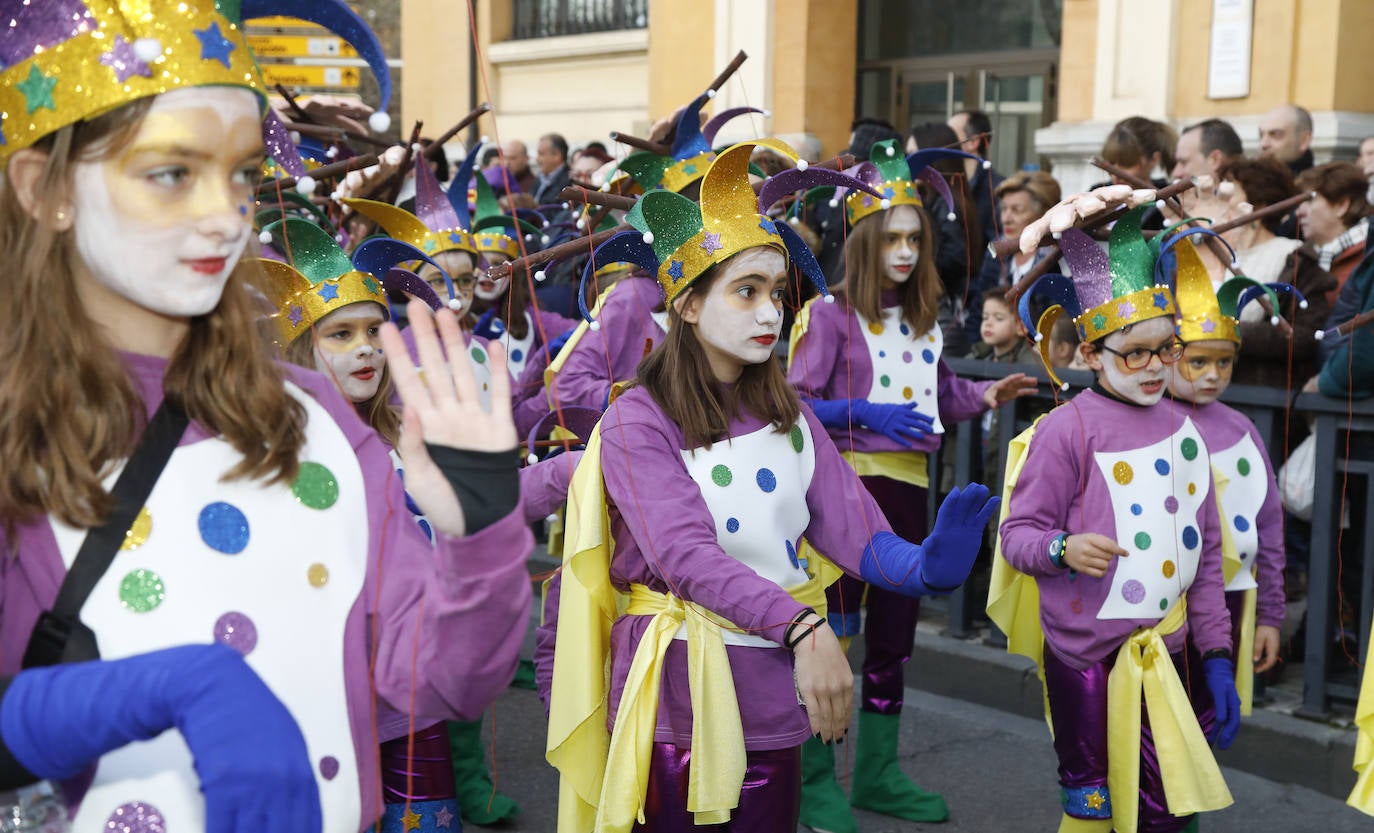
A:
1059, 546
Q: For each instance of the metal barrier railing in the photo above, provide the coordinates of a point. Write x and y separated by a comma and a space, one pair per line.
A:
1345, 455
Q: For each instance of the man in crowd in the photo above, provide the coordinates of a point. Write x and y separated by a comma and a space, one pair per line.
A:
974, 129
1204, 147
552, 159
518, 165
1286, 135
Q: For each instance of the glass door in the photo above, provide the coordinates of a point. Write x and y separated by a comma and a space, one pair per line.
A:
926, 95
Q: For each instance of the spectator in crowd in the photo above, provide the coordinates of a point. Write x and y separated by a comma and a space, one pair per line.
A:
552, 159
959, 242
974, 129
517, 161
1204, 147
1286, 135
828, 221
1140, 146
1332, 221
1265, 351
586, 162
1064, 343
1348, 369
490, 156
1366, 163
1021, 198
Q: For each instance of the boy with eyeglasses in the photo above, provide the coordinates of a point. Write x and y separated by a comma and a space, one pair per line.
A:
1110, 555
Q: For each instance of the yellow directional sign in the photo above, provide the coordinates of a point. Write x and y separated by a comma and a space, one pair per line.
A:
299, 46
292, 75
278, 20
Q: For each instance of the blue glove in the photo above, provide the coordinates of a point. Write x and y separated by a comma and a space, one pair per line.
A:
559, 343
943, 560
1221, 681
900, 423
248, 751
489, 326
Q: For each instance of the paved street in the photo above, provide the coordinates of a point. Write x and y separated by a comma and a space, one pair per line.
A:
995, 769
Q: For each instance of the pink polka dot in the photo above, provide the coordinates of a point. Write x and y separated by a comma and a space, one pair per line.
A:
906, 357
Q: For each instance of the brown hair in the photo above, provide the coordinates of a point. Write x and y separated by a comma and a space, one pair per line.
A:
1042, 187
1136, 139
513, 305
919, 296
677, 374
1337, 181
377, 411
1265, 181
71, 411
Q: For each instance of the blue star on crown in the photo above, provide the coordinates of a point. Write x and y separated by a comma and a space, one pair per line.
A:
213, 44
329, 292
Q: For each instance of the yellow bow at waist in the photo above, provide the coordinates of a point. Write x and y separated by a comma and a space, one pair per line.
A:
903, 466
1192, 779
1362, 797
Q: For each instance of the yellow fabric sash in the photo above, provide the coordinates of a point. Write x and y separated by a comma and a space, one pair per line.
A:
571, 344
1192, 779
1230, 566
1362, 797
905, 466
603, 776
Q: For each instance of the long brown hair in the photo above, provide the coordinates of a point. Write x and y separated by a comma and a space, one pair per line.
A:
919, 296
677, 374
377, 411
71, 411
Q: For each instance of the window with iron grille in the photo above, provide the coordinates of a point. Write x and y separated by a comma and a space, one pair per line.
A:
549, 18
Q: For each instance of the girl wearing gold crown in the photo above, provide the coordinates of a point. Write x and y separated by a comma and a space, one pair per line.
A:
687, 513
871, 368
234, 627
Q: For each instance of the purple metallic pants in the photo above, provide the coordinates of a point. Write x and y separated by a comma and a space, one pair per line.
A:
1078, 710
890, 629
419, 767
769, 801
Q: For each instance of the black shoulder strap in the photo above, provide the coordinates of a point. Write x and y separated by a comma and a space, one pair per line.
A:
48, 643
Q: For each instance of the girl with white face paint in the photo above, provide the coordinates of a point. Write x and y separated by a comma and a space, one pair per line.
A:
872, 369
125, 210
711, 471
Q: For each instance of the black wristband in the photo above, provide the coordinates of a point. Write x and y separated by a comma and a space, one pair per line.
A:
13, 774
791, 639
487, 482
1218, 653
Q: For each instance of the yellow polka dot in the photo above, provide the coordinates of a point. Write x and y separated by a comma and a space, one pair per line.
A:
1168, 568
1122, 472
906, 393
1192, 488
317, 574
931, 339
875, 328
138, 532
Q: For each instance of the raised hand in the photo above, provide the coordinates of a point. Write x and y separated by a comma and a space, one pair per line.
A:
1008, 388
1091, 554
952, 546
443, 407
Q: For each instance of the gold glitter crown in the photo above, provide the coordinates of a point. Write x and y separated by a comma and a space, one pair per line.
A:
408, 228
322, 280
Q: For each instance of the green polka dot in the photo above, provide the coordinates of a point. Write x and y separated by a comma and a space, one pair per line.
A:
1142, 541
315, 486
1243, 466
721, 476
141, 591
798, 441
885, 380
1189, 448
479, 356
1163, 604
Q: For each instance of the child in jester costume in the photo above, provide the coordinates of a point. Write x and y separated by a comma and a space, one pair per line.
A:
1117, 472
688, 505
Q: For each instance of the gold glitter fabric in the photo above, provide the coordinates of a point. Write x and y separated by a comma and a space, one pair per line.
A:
66, 60
320, 280
406, 227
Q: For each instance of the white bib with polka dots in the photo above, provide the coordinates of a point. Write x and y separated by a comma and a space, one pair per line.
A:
1156, 494
481, 371
905, 367
270, 570
518, 349
755, 488
1241, 501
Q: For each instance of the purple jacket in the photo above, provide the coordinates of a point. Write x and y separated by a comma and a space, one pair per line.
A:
612, 353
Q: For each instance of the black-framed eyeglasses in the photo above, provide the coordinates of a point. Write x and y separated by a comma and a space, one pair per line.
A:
1139, 358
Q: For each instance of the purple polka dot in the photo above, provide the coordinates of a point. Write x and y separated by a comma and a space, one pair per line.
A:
927, 391
1171, 504
906, 356
329, 767
237, 631
136, 817
1133, 592
928, 356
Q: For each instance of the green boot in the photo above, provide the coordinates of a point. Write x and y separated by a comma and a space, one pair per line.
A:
478, 800
879, 784
1193, 826
823, 805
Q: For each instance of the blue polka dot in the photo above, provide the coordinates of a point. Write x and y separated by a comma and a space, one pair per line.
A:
517, 354
792, 555
1189, 537
766, 479
425, 528
882, 354
906, 331
411, 506
1242, 524
1136, 509
224, 528
1162, 466
928, 356
732, 525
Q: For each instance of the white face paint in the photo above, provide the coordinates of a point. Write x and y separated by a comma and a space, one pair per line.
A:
459, 266
164, 221
740, 318
348, 350
901, 244
490, 290
1145, 386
